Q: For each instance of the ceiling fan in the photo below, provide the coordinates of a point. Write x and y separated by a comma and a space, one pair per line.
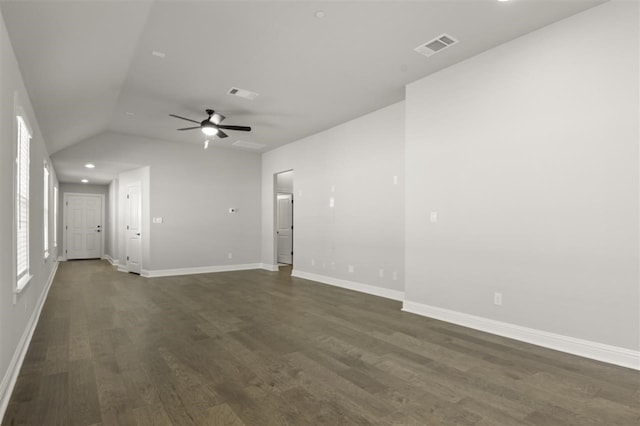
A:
211, 126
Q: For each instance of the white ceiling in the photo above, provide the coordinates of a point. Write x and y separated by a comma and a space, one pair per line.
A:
87, 64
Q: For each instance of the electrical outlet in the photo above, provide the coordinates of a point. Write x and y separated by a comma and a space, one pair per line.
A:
230, 255
433, 217
497, 299
351, 269
313, 262
381, 273
395, 276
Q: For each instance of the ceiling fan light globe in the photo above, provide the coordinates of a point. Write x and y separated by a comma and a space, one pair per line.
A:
209, 130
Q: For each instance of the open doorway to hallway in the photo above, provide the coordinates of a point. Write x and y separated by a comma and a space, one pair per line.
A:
284, 219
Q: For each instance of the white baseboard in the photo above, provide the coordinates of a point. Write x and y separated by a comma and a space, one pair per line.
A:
351, 285
10, 377
123, 268
111, 260
585, 348
269, 267
198, 270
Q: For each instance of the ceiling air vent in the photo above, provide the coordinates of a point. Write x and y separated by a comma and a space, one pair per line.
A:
436, 45
247, 94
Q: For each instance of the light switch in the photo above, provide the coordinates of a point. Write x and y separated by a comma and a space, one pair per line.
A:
157, 220
434, 217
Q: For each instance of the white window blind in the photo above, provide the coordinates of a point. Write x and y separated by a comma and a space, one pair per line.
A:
22, 204
46, 210
55, 216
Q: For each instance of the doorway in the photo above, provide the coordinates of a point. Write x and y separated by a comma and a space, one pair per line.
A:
83, 226
284, 229
133, 220
284, 218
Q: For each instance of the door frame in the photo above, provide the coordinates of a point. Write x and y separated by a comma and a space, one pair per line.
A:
65, 217
277, 221
274, 224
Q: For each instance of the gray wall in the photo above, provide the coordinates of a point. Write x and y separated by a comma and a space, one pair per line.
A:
192, 190
18, 311
529, 155
111, 245
354, 164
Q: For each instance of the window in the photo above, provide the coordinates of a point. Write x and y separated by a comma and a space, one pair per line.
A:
46, 211
22, 205
55, 216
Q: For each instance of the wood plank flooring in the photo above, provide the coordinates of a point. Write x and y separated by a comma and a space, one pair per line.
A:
262, 348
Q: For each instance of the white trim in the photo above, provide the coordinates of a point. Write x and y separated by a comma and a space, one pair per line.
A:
351, 285
585, 348
272, 268
197, 270
111, 260
10, 377
122, 267
22, 284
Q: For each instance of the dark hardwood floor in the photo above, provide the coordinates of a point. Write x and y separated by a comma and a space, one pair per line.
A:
262, 348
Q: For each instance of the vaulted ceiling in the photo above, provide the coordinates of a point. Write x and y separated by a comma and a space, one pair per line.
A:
122, 67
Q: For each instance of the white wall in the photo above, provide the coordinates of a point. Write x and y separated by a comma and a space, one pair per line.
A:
112, 251
354, 164
529, 155
284, 182
18, 312
192, 190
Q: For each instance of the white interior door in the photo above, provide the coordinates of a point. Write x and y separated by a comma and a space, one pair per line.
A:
83, 226
285, 228
133, 220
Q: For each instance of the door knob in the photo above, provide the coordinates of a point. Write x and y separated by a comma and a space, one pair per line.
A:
97, 230
138, 234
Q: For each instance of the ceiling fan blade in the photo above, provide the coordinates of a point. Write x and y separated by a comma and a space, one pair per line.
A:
189, 128
221, 134
216, 118
240, 128
182, 118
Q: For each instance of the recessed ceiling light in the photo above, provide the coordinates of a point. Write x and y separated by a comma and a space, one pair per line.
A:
85, 181
320, 14
158, 54
502, 0
90, 166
